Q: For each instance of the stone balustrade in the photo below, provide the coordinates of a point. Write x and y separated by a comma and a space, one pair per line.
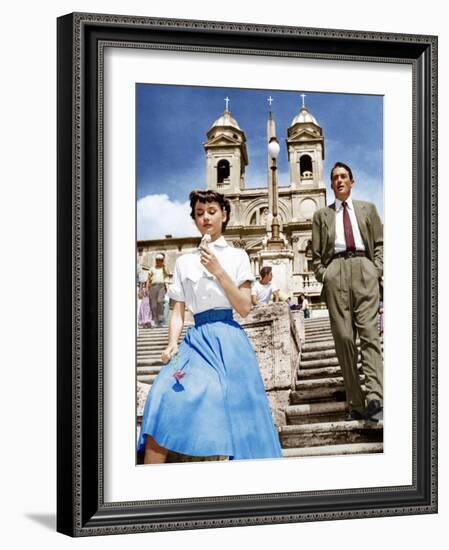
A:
275, 334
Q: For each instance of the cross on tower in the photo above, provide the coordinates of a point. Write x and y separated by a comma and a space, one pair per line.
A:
270, 100
303, 97
227, 103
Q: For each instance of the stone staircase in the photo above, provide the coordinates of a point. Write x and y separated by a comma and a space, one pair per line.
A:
316, 422
150, 344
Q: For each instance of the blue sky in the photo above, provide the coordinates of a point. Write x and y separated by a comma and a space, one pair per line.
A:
172, 122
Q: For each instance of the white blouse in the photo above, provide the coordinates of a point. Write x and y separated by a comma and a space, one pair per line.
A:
198, 288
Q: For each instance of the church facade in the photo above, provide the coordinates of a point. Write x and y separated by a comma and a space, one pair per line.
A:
251, 207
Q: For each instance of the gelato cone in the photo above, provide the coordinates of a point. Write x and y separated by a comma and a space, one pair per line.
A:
205, 240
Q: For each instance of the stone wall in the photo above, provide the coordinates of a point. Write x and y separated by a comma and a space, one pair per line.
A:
274, 335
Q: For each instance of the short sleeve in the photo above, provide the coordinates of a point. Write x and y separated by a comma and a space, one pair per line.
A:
175, 290
254, 288
244, 272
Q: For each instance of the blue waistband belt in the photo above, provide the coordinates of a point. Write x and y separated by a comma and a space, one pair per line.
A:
213, 315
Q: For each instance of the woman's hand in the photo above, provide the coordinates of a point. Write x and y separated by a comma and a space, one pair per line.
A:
170, 351
210, 261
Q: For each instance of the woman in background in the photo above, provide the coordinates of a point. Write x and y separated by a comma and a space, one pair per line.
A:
145, 317
305, 306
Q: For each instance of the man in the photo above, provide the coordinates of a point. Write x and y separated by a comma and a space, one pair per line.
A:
262, 290
156, 282
347, 248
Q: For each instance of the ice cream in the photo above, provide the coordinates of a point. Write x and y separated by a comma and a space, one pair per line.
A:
205, 240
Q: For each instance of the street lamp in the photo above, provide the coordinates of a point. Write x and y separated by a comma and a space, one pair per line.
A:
273, 152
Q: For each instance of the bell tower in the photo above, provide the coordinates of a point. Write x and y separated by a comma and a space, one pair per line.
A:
305, 146
227, 155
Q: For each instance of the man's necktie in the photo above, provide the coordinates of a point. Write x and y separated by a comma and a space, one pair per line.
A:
349, 235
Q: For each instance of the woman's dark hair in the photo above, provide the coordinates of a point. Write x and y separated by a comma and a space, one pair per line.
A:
342, 165
198, 195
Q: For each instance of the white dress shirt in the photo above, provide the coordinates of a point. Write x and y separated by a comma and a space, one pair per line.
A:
340, 243
199, 289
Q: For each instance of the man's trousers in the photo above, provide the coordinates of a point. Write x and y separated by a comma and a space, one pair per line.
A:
351, 288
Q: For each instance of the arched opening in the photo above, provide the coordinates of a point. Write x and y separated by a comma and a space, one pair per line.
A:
223, 170
305, 167
308, 255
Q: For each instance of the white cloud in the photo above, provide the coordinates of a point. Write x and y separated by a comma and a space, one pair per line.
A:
158, 216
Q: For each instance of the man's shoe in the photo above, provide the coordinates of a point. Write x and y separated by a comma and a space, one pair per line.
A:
354, 415
374, 410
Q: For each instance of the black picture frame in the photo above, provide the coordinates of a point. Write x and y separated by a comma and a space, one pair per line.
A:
81, 510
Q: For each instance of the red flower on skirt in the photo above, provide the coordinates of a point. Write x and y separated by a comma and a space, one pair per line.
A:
179, 374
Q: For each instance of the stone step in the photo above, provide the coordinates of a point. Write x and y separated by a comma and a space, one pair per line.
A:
336, 393
321, 354
314, 328
327, 361
319, 363
151, 338
153, 353
308, 413
316, 341
322, 317
334, 450
330, 433
331, 382
156, 330
323, 337
312, 347
152, 331
318, 321
146, 378
157, 333
150, 344
317, 346
149, 370
323, 372
147, 346
317, 331
154, 362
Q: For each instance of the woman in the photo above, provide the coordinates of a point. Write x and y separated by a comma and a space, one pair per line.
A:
209, 399
305, 306
145, 317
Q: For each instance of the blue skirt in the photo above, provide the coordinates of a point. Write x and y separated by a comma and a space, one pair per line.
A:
210, 398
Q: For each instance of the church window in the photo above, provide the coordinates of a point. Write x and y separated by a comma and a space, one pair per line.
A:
305, 167
223, 171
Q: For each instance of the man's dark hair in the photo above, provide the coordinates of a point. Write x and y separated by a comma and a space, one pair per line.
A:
265, 271
198, 195
342, 165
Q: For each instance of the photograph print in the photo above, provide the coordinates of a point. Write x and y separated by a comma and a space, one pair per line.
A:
259, 278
